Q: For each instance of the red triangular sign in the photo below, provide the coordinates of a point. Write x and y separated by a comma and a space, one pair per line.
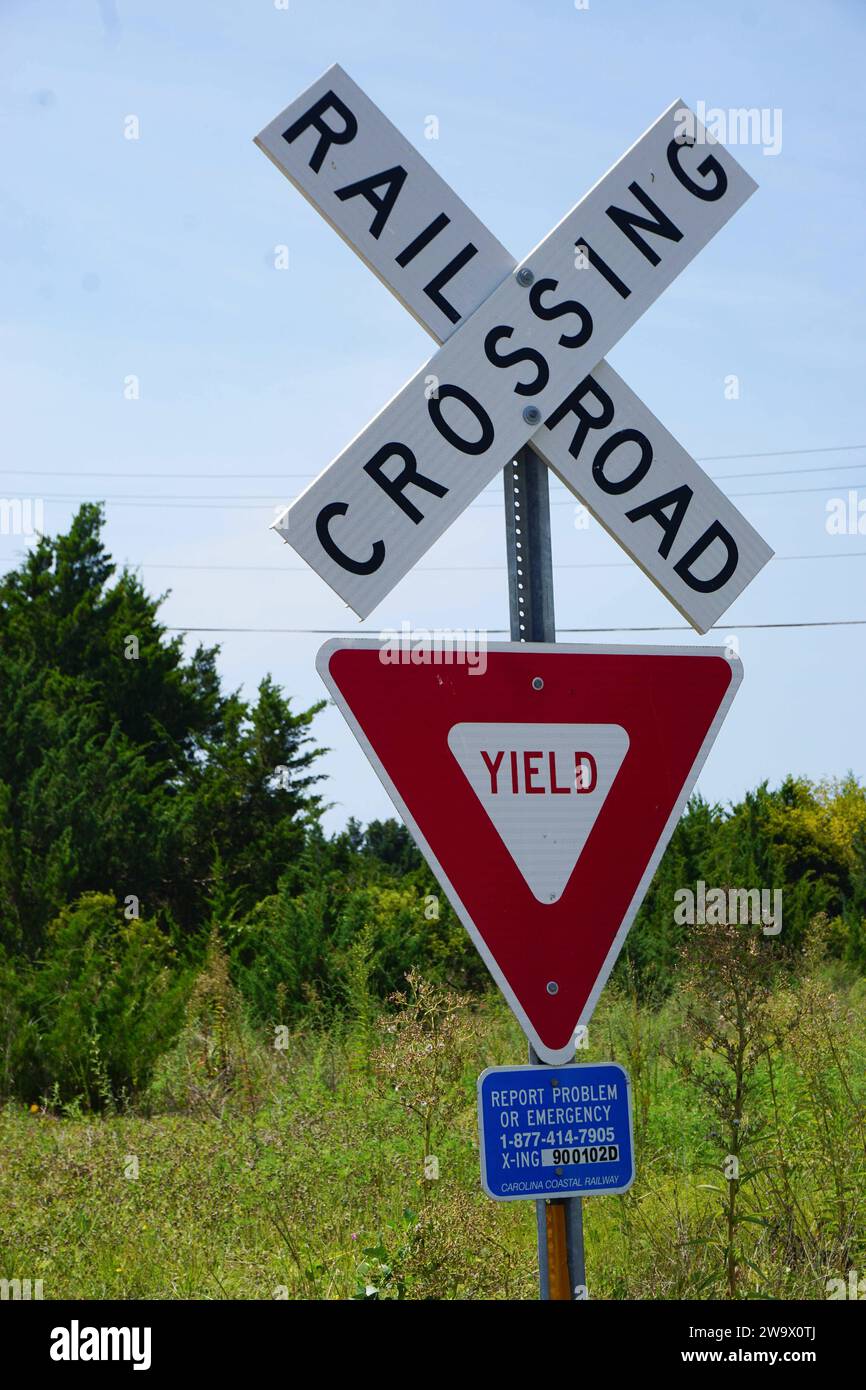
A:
542, 784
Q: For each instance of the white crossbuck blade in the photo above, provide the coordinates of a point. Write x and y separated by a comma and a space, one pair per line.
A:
515, 354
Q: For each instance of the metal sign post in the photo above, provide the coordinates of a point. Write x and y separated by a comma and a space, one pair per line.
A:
561, 1262
561, 1265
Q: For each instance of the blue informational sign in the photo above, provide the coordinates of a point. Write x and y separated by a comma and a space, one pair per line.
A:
555, 1131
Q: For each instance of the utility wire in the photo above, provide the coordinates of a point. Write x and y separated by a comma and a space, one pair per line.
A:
433, 569
282, 477
781, 453
222, 502
368, 632
779, 472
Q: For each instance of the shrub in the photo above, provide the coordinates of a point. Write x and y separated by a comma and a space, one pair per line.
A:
105, 1001
217, 1057
294, 956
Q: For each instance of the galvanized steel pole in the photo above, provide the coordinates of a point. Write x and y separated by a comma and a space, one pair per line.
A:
561, 1267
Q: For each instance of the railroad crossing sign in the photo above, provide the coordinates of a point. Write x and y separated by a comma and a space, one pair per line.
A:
542, 792
555, 1131
522, 354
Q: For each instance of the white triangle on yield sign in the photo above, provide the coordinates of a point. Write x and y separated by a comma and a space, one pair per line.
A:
543, 786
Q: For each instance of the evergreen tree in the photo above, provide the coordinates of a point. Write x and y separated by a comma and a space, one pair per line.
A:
124, 769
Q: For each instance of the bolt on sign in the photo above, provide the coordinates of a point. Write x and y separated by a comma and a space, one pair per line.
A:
522, 352
542, 795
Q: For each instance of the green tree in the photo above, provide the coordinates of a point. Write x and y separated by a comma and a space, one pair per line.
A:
123, 766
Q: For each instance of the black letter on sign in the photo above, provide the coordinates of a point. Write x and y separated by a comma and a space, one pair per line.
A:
555, 311
709, 166
331, 548
434, 405
640, 470
602, 267
510, 359
408, 474
329, 137
628, 221
423, 239
445, 274
394, 178
572, 405
708, 586
679, 498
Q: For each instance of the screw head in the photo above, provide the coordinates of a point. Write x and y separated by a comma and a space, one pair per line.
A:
552, 987
537, 683
532, 415
524, 276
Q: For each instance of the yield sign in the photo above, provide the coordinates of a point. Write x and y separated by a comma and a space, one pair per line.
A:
542, 791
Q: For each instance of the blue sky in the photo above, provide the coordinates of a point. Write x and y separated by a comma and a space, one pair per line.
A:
155, 258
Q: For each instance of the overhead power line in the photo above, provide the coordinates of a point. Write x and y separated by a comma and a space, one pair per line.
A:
286, 477
781, 453
432, 569
223, 503
779, 472
495, 631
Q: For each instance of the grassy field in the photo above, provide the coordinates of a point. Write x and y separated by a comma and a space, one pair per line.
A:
294, 1167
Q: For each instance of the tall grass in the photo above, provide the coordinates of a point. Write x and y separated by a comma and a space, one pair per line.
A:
302, 1170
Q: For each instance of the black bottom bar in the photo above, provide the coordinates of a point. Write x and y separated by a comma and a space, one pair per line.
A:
278, 1338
